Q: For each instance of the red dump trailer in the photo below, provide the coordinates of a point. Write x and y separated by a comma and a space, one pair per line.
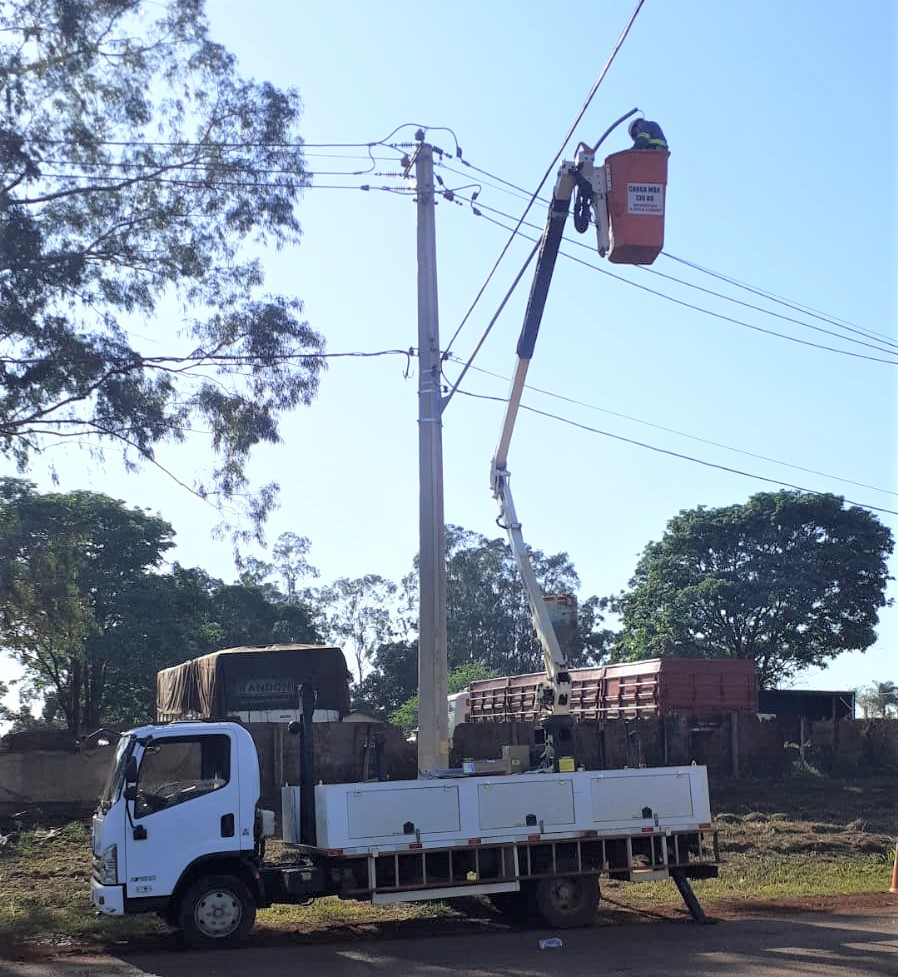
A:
657, 687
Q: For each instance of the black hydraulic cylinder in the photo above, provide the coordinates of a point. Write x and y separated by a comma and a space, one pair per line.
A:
542, 277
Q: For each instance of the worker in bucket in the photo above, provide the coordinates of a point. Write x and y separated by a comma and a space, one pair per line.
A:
647, 135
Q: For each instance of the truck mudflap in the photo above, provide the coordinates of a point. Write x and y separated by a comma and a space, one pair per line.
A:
108, 899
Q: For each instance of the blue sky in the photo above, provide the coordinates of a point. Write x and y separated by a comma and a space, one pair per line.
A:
781, 119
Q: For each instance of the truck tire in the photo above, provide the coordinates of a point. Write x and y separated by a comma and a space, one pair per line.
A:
567, 900
216, 911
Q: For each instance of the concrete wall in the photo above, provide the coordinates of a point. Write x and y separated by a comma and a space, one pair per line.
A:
49, 779
846, 748
728, 745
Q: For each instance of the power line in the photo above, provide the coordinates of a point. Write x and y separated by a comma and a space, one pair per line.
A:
683, 434
570, 132
283, 144
677, 454
201, 165
502, 184
190, 144
757, 308
789, 303
511, 189
698, 461
689, 305
200, 184
489, 326
200, 358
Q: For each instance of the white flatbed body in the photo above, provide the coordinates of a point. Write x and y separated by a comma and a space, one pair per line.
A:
375, 818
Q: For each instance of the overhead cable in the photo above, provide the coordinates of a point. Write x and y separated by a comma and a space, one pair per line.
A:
677, 454
789, 303
551, 166
506, 186
698, 308
683, 434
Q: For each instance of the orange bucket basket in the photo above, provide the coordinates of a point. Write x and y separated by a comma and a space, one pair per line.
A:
637, 187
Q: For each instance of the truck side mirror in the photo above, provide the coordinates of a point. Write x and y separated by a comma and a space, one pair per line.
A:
131, 770
130, 792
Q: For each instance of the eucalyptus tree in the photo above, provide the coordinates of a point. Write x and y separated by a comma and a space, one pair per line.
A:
136, 165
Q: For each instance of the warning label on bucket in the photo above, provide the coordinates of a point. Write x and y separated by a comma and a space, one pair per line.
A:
645, 198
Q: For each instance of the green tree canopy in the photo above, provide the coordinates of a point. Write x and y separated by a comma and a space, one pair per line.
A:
165, 618
489, 628
488, 617
173, 617
787, 580
406, 716
245, 614
290, 564
91, 614
135, 163
392, 680
357, 614
5, 711
70, 569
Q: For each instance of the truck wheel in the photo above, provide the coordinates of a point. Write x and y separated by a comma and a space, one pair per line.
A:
515, 906
568, 900
217, 910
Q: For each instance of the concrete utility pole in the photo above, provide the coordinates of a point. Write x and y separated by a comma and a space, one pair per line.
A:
433, 715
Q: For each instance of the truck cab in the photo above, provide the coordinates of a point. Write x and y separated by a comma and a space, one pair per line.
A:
180, 807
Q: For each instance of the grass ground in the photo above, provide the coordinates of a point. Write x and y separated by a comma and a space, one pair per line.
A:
795, 843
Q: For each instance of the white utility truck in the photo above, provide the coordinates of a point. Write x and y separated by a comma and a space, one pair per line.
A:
179, 832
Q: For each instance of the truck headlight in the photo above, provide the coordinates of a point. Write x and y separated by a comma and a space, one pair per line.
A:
106, 866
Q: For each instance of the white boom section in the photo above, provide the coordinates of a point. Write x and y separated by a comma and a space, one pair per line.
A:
555, 697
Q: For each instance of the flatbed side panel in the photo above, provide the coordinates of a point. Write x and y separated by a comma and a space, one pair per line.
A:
665, 795
446, 892
377, 813
443, 813
511, 803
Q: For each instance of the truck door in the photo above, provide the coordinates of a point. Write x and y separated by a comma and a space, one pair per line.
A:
186, 806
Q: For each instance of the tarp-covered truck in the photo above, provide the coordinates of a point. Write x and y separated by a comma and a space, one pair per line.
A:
254, 685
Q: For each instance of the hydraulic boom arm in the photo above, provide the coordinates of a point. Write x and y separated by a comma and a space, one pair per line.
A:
554, 694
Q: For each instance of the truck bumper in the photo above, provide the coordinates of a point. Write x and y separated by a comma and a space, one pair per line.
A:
109, 899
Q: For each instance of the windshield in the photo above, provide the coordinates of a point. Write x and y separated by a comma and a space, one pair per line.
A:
116, 772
